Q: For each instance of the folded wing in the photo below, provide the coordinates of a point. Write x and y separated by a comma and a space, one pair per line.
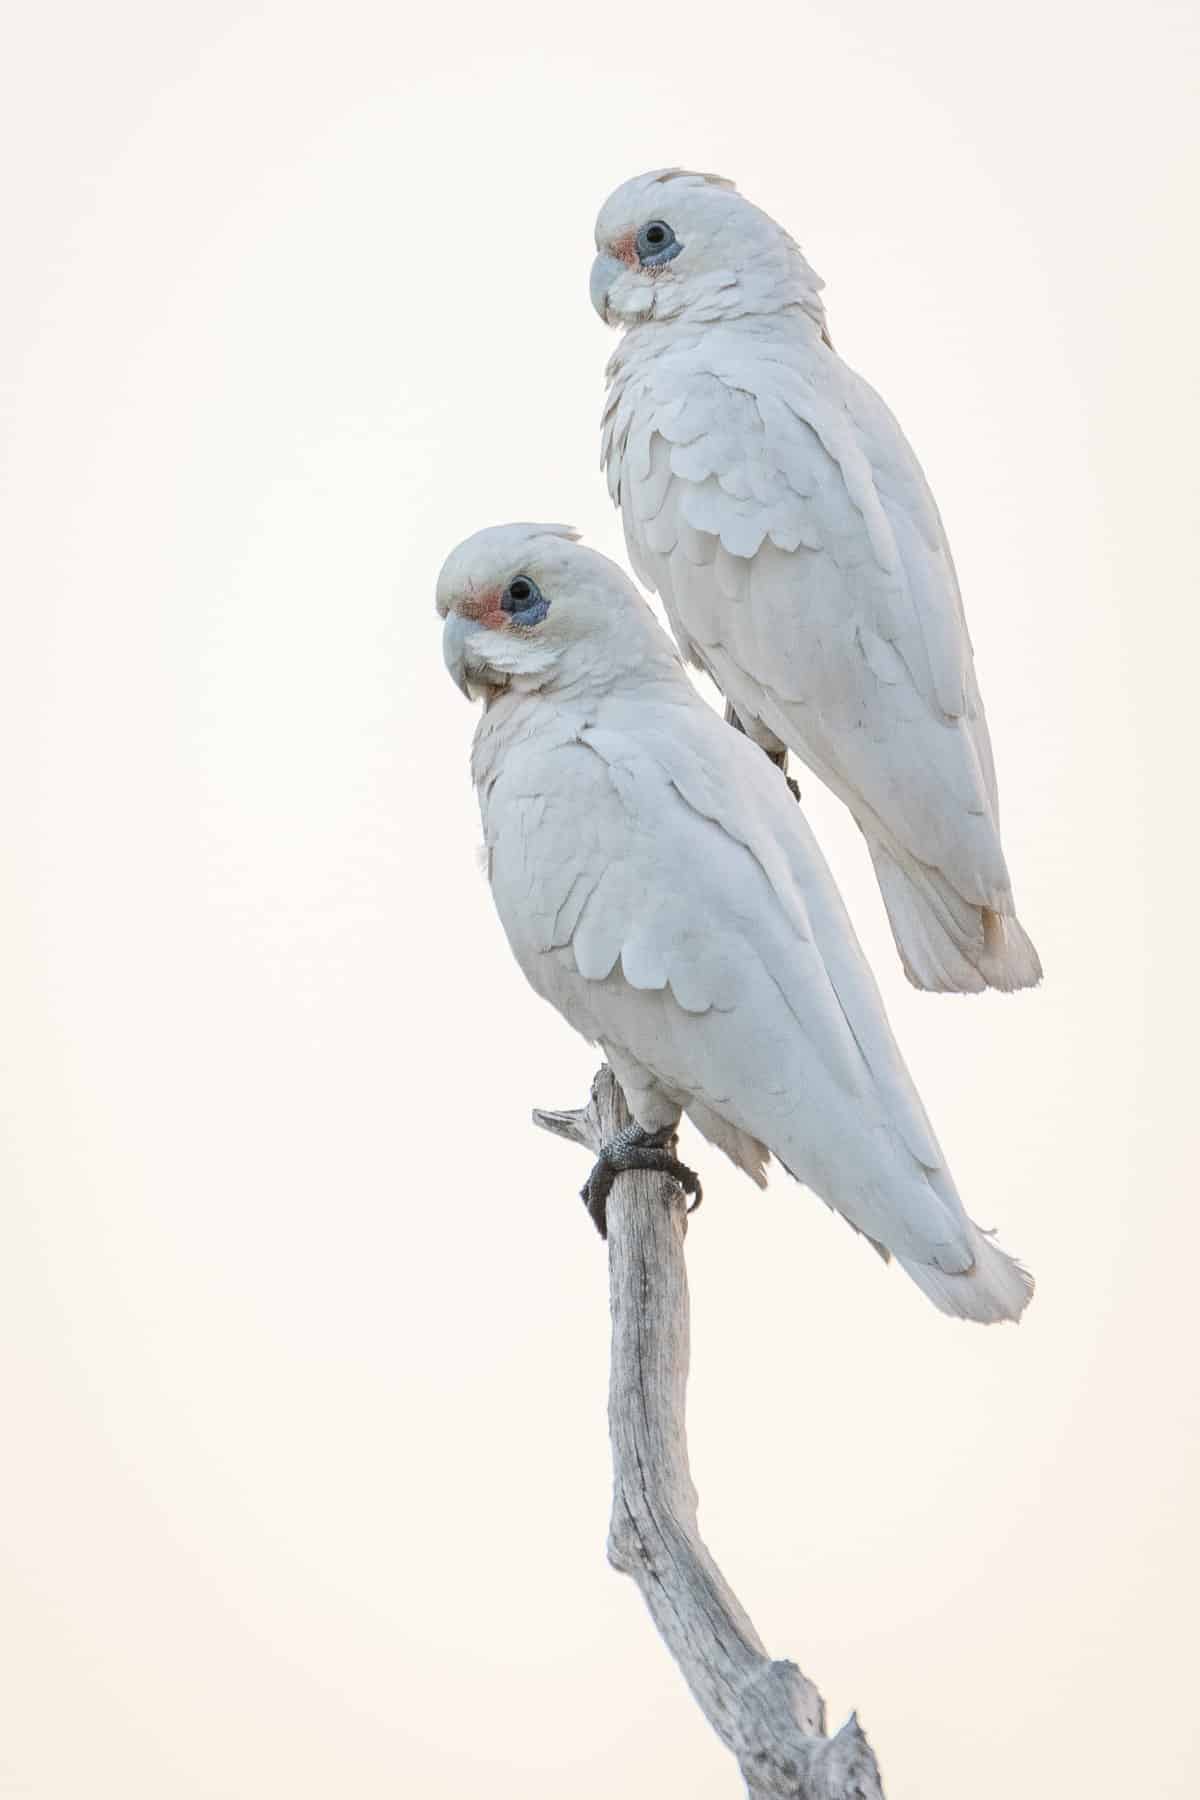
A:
802, 561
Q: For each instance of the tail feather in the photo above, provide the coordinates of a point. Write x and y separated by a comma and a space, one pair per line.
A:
739, 1146
947, 944
1009, 960
996, 1288
992, 1287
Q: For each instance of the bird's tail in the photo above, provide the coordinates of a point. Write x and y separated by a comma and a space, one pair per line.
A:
996, 1288
947, 944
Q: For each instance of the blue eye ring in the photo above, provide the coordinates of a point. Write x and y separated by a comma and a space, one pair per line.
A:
524, 601
656, 244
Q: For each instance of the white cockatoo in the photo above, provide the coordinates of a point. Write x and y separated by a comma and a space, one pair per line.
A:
771, 499
661, 889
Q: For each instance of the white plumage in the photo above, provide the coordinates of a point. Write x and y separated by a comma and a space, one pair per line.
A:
659, 886
771, 499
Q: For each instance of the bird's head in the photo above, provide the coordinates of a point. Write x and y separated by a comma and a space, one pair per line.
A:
528, 607
674, 244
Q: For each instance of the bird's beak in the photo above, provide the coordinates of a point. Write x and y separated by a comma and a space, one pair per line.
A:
454, 649
605, 270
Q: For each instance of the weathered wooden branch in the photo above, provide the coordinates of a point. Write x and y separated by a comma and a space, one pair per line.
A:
768, 1713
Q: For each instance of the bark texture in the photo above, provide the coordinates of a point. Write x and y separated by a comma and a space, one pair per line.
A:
767, 1712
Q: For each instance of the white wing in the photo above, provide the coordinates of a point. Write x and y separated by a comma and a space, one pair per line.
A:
660, 887
779, 511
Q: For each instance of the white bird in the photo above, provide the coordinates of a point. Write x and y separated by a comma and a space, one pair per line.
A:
771, 499
660, 888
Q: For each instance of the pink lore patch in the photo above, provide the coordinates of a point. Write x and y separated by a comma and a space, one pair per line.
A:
486, 608
625, 249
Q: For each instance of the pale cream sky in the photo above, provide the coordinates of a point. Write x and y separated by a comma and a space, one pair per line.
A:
304, 1332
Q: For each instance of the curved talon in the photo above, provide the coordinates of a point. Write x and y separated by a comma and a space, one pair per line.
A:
634, 1148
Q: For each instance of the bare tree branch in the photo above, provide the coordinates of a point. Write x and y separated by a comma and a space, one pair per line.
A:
768, 1713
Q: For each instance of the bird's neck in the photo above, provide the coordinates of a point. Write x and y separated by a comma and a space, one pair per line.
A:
644, 343
542, 719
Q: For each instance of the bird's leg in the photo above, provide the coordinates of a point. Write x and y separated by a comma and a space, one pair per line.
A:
634, 1148
775, 753
780, 762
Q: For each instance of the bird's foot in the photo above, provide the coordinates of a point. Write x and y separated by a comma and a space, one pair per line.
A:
634, 1148
779, 758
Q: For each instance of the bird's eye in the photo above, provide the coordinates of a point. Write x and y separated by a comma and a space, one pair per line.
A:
657, 244
524, 600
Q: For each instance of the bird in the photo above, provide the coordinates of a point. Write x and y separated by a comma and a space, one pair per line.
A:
771, 500
661, 889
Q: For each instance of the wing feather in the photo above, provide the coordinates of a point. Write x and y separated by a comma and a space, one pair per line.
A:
779, 510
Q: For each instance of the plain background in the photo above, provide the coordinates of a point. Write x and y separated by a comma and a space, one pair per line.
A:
304, 1332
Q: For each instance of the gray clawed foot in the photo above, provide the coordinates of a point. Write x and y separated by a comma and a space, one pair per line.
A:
779, 758
634, 1148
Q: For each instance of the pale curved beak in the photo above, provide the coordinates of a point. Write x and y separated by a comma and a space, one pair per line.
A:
605, 270
454, 648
